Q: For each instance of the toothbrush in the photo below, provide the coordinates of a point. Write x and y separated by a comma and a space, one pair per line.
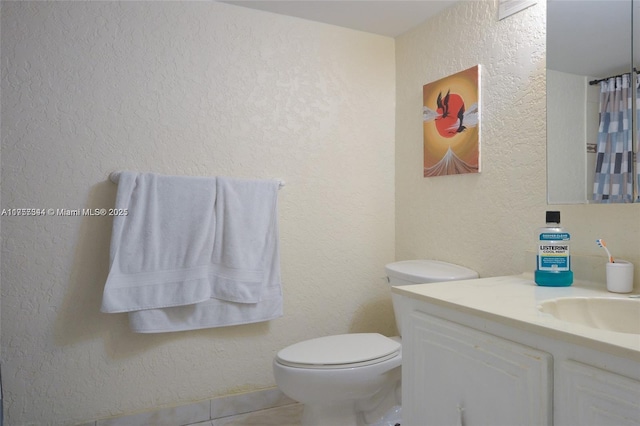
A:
602, 244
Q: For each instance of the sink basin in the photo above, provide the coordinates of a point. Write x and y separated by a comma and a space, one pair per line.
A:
614, 314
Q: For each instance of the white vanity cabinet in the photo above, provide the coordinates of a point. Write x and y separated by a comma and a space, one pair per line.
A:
456, 375
474, 358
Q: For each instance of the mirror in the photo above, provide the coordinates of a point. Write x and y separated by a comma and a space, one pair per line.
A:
587, 40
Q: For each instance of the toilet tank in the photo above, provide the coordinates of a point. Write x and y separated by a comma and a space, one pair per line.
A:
410, 272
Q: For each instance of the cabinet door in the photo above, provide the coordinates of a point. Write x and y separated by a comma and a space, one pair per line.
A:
590, 396
455, 375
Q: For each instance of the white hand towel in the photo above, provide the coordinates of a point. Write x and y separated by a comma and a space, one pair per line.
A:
246, 242
187, 240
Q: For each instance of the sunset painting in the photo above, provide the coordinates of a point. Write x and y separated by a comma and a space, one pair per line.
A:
451, 122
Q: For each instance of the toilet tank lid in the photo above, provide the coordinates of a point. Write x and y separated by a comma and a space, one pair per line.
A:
422, 271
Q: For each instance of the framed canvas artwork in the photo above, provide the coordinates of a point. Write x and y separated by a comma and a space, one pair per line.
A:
451, 122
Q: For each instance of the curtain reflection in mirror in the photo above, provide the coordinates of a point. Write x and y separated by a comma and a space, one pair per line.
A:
614, 159
637, 150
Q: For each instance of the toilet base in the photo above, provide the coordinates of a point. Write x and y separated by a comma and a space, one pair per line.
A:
347, 416
382, 409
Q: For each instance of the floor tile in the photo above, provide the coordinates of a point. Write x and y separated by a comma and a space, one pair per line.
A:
288, 415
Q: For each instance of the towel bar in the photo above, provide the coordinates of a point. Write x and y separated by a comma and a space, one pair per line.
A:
115, 177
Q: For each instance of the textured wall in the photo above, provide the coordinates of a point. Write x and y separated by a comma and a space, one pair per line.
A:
194, 88
487, 221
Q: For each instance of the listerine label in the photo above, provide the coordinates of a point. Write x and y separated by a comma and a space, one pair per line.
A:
553, 252
555, 236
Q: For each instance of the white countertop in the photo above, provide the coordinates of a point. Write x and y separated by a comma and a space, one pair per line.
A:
513, 301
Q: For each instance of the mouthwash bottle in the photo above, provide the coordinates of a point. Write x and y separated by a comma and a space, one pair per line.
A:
553, 260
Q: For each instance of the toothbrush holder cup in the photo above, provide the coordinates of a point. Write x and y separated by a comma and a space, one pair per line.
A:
620, 276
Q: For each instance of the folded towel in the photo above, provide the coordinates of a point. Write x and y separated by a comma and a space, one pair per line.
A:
188, 240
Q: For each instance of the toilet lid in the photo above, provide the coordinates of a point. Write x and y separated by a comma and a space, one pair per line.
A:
340, 351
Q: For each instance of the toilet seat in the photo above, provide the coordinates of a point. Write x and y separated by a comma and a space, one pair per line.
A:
339, 351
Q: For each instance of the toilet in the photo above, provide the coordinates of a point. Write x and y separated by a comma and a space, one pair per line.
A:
354, 379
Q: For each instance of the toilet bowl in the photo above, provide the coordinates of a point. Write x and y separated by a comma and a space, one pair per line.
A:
342, 379
354, 379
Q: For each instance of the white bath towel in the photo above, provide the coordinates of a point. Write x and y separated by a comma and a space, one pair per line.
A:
188, 240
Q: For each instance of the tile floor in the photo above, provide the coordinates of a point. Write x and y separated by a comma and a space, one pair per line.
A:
266, 407
260, 408
287, 415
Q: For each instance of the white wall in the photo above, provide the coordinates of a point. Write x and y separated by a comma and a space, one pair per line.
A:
193, 88
487, 221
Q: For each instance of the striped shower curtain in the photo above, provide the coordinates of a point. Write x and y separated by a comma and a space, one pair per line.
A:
637, 150
614, 160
